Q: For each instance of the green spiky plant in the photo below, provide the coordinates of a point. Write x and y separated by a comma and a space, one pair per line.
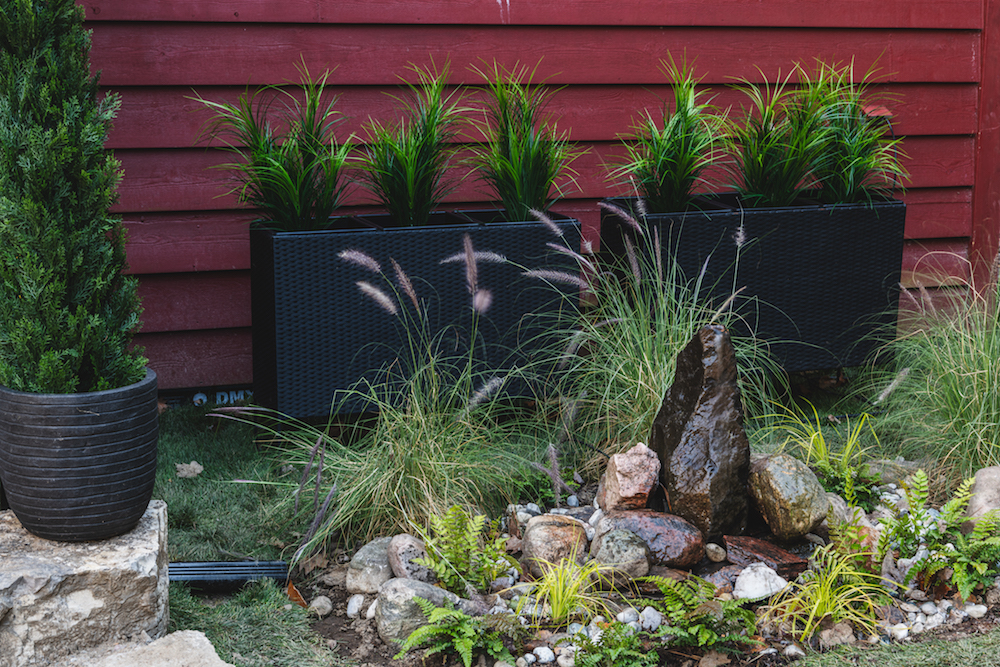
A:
860, 163
525, 160
406, 163
291, 165
68, 313
451, 630
780, 143
693, 616
667, 157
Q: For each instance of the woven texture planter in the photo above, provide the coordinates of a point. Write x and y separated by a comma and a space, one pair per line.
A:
818, 281
79, 467
315, 336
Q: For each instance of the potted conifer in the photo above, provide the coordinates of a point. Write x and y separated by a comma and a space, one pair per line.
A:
78, 410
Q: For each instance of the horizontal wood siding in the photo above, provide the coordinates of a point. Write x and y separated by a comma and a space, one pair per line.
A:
188, 239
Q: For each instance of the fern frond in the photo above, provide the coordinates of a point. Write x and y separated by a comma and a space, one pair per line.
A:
953, 511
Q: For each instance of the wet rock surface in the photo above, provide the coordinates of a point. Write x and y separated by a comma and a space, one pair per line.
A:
673, 542
789, 496
698, 435
742, 551
629, 479
549, 538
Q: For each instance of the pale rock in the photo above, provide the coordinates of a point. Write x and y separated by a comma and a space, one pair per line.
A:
715, 552
321, 606
59, 598
788, 494
841, 633
629, 479
566, 659
627, 615
985, 494
976, 610
650, 619
187, 648
917, 627
934, 620
370, 567
402, 551
521, 662
530, 658
625, 552
596, 517
793, 652
189, 470
756, 582
372, 609
397, 614
544, 655
572, 501
551, 539
354, 604
899, 631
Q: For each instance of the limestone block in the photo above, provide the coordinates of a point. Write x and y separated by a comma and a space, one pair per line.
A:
59, 598
188, 648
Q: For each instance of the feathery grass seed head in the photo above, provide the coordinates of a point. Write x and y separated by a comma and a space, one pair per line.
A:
360, 258
383, 300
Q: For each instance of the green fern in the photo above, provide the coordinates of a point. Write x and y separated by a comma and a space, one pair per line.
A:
618, 646
461, 555
697, 618
452, 630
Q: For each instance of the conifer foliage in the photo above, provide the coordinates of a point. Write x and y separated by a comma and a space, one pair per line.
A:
66, 312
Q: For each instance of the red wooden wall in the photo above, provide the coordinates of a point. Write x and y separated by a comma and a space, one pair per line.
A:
189, 245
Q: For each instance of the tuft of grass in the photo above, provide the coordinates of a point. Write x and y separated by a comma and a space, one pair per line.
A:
255, 628
211, 516
567, 591
406, 163
525, 158
290, 164
667, 157
947, 407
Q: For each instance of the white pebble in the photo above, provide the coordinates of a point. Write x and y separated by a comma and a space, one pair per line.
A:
372, 608
899, 632
354, 605
650, 619
934, 620
929, 608
544, 655
627, 615
591, 532
532, 507
321, 606
976, 610
917, 628
530, 658
793, 652
558, 510
566, 659
573, 501
596, 517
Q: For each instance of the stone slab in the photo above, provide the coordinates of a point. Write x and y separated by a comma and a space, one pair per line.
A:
60, 598
744, 551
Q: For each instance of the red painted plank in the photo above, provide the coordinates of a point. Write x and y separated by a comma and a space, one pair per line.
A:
935, 262
167, 117
986, 202
226, 54
181, 242
836, 13
187, 301
938, 213
199, 358
182, 179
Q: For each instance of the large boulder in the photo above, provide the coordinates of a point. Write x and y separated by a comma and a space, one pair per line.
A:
788, 494
551, 538
629, 479
370, 567
985, 492
698, 435
60, 598
397, 614
672, 541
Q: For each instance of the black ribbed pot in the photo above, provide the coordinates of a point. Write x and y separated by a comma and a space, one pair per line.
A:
79, 467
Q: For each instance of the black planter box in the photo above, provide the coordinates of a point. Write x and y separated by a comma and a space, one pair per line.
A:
818, 281
315, 335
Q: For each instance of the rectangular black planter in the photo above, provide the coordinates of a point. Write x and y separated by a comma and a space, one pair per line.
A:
818, 281
315, 335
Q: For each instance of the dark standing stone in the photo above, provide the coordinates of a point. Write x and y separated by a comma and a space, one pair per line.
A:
698, 435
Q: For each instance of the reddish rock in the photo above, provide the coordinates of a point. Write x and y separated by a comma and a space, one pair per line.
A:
673, 542
743, 551
629, 479
404, 549
724, 578
550, 538
699, 438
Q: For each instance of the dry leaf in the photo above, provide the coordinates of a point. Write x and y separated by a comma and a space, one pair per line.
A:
192, 469
295, 596
714, 659
315, 562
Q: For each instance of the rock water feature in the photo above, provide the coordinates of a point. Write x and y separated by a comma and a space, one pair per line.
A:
700, 456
